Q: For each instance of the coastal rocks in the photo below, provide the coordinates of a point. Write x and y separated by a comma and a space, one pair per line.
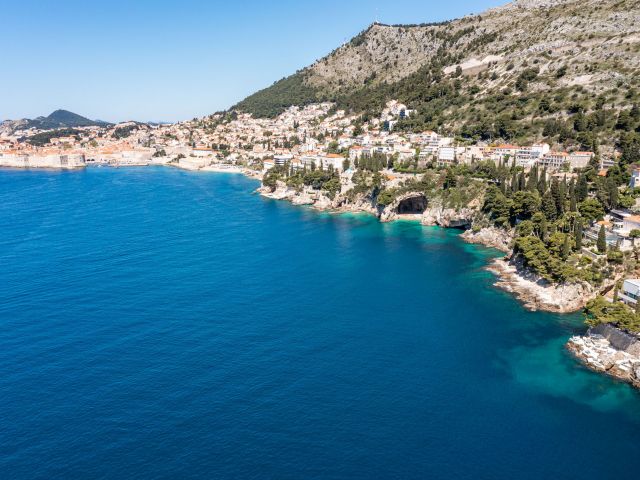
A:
538, 294
534, 292
448, 217
493, 237
415, 205
306, 196
411, 203
282, 192
609, 350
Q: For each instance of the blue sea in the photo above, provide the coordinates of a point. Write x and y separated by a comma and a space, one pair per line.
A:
159, 324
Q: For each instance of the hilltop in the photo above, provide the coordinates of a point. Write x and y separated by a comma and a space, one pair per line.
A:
57, 119
526, 70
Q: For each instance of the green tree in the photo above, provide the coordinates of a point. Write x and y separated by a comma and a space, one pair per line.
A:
578, 236
549, 206
591, 209
582, 189
602, 240
566, 248
540, 225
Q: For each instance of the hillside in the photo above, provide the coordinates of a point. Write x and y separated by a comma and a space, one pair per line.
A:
517, 71
57, 119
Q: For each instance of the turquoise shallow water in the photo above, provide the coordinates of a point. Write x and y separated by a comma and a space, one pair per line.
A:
164, 324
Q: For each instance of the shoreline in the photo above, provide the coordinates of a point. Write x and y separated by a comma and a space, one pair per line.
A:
532, 292
607, 349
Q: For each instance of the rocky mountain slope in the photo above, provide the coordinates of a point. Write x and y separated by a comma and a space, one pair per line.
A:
540, 59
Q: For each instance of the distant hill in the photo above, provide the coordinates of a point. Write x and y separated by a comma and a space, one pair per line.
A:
57, 119
560, 70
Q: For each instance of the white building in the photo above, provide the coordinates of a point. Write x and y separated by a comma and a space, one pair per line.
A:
446, 156
635, 179
281, 160
630, 292
554, 160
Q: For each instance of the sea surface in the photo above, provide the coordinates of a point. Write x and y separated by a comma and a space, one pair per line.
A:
159, 324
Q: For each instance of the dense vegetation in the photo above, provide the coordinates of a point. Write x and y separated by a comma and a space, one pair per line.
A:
550, 217
126, 131
41, 139
600, 311
274, 100
327, 181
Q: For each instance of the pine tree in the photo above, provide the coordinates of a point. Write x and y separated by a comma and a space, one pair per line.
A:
602, 240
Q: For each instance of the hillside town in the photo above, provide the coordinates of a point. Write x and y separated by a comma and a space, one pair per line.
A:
313, 137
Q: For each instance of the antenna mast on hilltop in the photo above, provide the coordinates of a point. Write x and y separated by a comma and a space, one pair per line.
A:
376, 20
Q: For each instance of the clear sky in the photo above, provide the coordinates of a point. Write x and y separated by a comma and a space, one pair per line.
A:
166, 60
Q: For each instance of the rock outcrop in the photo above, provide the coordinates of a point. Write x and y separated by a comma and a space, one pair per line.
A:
429, 212
534, 292
609, 350
538, 294
493, 237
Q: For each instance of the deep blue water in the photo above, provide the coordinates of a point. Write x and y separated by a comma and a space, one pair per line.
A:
162, 324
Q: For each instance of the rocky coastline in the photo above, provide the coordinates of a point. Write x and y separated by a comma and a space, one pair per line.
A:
607, 349
535, 293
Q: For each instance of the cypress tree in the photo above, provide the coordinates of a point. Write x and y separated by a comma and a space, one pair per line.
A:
578, 236
573, 204
532, 182
542, 182
615, 293
582, 190
602, 240
514, 181
549, 206
544, 230
558, 198
521, 182
566, 248
613, 193
637, 307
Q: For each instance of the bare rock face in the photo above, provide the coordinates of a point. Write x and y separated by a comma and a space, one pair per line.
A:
431, 213
538, 294
490, 237
448, 217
